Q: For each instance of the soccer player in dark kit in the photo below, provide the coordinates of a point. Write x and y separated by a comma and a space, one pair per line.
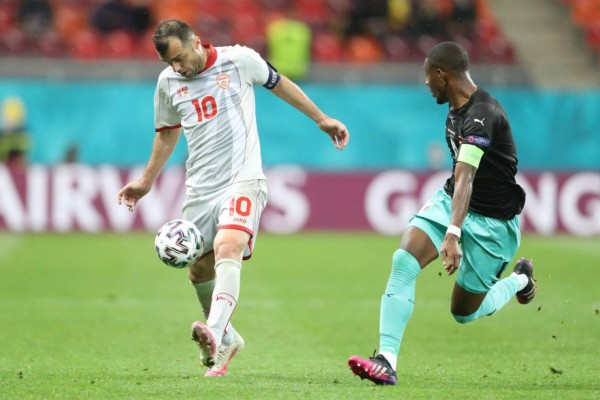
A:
472, 222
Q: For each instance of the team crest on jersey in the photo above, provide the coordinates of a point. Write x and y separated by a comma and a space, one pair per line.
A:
223, 81
182, 91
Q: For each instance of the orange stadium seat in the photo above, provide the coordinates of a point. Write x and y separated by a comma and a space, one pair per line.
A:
585, 12
69, 21
363, 50
180, 9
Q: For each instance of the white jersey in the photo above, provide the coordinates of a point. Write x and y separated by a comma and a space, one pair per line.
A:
216, 110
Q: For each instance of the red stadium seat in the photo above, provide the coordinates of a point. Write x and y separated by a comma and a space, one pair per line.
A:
6, 18
14, 42
245, 28
592, 36
314, 12
211, 8
144, 46
86, 45
118, 45
327, 47
51, 45
236, 8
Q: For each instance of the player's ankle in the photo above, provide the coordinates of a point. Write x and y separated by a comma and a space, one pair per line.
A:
523, 280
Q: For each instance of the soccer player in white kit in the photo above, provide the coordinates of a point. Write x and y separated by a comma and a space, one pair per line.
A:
209, 92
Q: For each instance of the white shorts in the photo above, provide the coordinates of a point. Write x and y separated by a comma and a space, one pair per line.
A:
238, 206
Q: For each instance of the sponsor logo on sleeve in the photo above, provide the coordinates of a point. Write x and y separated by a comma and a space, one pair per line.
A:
479, 140
182, 91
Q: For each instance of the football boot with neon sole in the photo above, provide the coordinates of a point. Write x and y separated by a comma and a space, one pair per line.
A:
376, 369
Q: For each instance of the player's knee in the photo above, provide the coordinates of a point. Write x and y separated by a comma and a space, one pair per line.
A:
463, 319
230, 244
402, 258
398, 257
229, 249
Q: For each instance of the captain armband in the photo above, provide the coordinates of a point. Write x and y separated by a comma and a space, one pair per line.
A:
274, 77
470, 154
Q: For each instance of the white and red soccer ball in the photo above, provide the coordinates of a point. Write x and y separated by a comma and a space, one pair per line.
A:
179, 243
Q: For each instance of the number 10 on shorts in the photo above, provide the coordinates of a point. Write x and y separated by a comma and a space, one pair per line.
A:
240, 206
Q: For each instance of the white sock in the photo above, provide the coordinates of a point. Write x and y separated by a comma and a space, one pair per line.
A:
523, 280
225, 296
204, 291
229, 335
391, 358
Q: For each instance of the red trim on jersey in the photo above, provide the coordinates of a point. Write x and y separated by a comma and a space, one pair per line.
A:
212, 57
237, 228
164, 128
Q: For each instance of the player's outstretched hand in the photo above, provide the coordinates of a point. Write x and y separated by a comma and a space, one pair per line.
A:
336, 130
451, 253
132, 193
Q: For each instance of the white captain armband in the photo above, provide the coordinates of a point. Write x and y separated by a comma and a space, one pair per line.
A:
274, 77
470, 154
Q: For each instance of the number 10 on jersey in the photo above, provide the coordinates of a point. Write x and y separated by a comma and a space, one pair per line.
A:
205, 108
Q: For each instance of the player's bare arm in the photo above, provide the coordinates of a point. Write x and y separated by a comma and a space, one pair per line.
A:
293, 95
164, 144
450, 250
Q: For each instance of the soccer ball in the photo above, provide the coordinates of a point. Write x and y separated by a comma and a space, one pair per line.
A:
179, 243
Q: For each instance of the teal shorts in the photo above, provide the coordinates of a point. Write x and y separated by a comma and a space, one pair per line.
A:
488, 244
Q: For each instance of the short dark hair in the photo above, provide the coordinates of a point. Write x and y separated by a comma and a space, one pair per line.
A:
171, 28
449, 56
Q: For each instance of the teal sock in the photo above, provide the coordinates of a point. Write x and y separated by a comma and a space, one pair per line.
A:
398, 301
498, 296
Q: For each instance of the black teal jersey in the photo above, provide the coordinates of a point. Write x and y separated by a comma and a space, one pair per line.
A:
482, 122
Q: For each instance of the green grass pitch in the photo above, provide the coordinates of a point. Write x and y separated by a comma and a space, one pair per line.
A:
99, 317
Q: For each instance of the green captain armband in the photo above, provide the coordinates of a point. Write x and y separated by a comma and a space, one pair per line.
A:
470, 154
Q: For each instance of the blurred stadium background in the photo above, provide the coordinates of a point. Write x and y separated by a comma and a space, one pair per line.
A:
77, 80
